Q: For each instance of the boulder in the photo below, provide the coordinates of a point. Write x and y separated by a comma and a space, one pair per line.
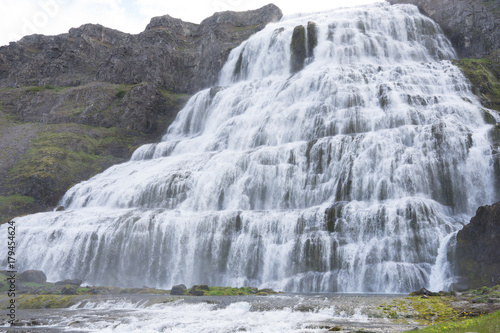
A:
178, 290
198, 290
298, 48
424, 292
68, 290
32, 276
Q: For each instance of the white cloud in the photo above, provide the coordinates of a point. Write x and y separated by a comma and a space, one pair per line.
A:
49, 17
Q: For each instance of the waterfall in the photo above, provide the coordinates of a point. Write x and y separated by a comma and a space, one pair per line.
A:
348, 174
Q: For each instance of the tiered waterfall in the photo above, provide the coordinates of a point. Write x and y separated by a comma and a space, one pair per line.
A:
340, 151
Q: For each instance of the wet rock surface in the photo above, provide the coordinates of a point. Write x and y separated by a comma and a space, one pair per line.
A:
478, 249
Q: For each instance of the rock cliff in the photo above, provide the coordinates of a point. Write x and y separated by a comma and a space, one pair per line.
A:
172, 54
478, 249
74, 104
471, 25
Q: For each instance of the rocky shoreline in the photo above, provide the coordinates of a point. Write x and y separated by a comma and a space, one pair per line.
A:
36, 293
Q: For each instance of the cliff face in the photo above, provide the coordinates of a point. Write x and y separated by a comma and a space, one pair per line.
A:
74, 104
478, 249
471, 25
175, 55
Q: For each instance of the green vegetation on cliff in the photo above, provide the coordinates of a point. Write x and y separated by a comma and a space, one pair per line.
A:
484, 76
54, 137
64, 154
14, 205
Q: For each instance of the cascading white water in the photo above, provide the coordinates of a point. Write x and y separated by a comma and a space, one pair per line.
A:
348, 175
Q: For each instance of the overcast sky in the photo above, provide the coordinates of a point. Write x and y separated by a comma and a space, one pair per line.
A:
51, 17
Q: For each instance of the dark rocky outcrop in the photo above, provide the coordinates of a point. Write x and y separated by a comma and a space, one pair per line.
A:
178, 289
74, 104
478, 249
471, 25
298, 49
423, 292
175, 55
32, 276
312, 38
68, 290
198, 290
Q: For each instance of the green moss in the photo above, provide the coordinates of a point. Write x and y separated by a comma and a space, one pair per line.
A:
45, 301
65, 154
11, 206
228, 291
120, 93
433, 309
484, 79
173, 100
42, 88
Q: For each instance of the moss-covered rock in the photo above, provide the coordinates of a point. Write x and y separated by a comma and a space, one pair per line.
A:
312, 38
239, 63
55, 137
484, 76
46, 301
204, 290
65, 154
16, 205
298, 49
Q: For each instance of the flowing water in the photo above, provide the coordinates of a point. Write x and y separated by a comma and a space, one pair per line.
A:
282, 313
351, 175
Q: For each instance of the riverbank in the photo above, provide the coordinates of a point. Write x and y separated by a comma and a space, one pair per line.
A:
68, 306
125, 310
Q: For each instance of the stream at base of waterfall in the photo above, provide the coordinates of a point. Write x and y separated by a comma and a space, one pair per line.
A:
313, 313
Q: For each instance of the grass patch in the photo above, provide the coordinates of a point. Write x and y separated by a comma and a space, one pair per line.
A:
42, 88
483, 324
229, 291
